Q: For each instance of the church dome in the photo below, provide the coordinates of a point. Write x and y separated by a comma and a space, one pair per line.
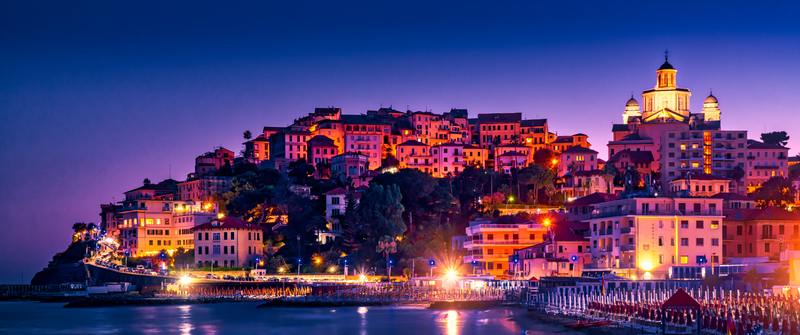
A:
632, 102
710, 99
666, 66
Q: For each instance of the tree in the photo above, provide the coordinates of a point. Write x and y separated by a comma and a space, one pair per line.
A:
146, 181
775, 192
300, 172
776, 137
794, 171
247, 135
543, 157
610, 173
539, 178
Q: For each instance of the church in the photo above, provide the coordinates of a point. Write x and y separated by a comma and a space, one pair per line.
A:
684, 145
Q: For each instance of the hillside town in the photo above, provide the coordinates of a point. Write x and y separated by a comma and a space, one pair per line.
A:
411, 194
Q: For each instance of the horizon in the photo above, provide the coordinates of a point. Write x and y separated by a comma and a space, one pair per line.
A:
95, 98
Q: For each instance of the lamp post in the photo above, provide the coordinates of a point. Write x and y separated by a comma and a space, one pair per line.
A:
432, 264
299, 260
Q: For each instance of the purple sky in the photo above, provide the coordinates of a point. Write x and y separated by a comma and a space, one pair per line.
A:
95, 97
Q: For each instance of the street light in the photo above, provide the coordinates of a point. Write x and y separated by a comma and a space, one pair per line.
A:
432, 264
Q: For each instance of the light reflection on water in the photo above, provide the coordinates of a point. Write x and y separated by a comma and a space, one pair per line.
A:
236, 318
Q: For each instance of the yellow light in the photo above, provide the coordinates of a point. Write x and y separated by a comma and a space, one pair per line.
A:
208, 206
554, 161
331, 269
362, 277
261, 263
317, 260
220, 216
451, 275
510, 198
281, 269
646, 265
529, 140
185, 280
546, 222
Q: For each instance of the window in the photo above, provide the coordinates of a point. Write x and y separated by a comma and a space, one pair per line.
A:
699, 242
715, 242
699, 225
714, 224
684, 224
684, 242
684, 259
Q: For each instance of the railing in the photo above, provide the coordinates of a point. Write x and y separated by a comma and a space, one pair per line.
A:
707, 212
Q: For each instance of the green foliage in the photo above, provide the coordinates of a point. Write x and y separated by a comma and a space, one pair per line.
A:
775, 192
253, 188
380, 211
775, 137
537, 178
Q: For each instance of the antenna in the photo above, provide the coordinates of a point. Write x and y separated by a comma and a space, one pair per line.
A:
666, 55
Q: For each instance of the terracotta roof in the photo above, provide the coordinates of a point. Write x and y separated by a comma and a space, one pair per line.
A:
769, 213
499, 117
321, 141
620, 127
563, 139
227, 223
534, 123
637, 157
511, 145
413, 142
512, 153
594, 198
579, 149
337, 191
565, 231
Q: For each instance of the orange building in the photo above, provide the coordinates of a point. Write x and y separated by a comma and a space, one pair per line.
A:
490, 243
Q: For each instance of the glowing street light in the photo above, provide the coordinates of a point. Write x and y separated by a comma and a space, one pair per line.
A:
451, 275
185, 280
547, 222
281, 269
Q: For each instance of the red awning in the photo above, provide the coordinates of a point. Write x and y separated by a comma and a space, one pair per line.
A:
681, 300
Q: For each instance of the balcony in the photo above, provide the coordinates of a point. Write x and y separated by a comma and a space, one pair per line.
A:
627, 247
675, 212
471, 243
626, 230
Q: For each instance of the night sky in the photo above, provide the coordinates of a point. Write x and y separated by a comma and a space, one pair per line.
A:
94, 97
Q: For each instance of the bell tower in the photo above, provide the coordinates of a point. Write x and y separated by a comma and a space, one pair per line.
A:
666, 101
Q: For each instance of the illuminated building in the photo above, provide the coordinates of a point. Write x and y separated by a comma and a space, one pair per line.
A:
490, 242
760, 232
656, 237
212, 162
680, 142
227, 242
564, 253
508, 157
702, 185
765, 161
576, 159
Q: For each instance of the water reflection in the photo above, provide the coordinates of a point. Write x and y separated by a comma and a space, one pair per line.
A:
362, 312
451, 326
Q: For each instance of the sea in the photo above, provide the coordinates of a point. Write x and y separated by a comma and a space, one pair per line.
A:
27, 317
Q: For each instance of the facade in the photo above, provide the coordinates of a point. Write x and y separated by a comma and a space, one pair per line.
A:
227, 243
490, 243
212, 162
656, 237
448, 159
576, 159
704, 185
203, 188
765, 161
349, 165
760, 232
149, 226
565, 253
508, 157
